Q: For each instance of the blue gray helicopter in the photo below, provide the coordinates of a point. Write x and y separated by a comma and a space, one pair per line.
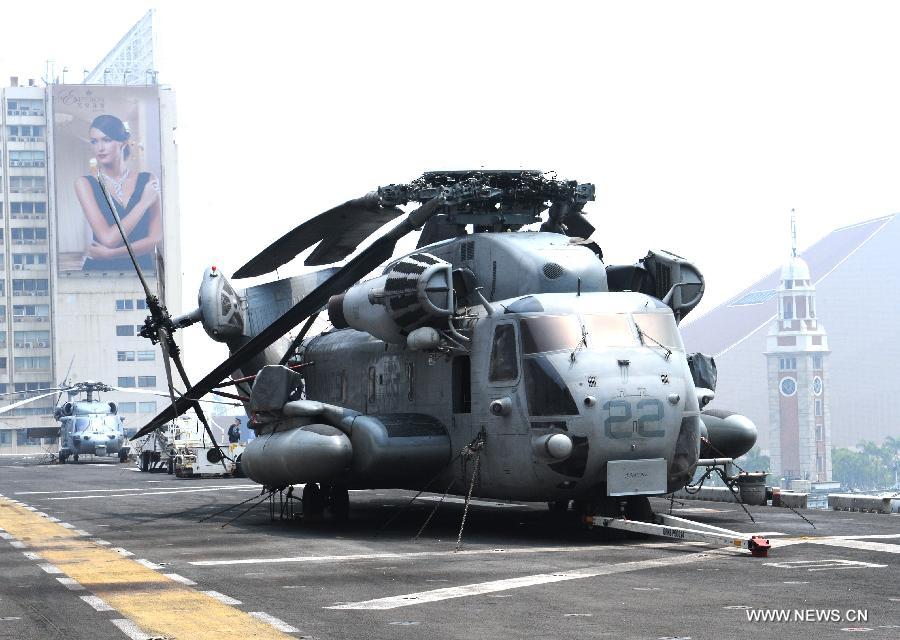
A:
87, 426
492, 360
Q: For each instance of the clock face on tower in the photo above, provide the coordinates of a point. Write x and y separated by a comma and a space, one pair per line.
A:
817, 386
788, 386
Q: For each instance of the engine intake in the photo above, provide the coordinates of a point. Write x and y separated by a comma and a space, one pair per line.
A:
416, 291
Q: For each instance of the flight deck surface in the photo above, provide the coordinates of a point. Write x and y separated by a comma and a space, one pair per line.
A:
100, 550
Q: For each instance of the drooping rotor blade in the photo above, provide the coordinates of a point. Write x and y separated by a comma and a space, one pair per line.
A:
340, 230
14, 405
358, 267
65, 381
157, 327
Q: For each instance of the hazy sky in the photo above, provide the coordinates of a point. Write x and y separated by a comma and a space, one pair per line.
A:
701, 123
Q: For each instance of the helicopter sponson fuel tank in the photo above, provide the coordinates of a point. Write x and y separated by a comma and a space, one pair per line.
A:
415, 291
308, 441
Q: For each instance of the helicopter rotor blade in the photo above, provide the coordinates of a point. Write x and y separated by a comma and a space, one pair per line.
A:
65, 381
367, 260
340, 231
14, 405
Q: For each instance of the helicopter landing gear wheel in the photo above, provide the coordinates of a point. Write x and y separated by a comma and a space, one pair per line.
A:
145, 461
339, 502
123, 455
313, 501
638, 508
62, 458
75, 458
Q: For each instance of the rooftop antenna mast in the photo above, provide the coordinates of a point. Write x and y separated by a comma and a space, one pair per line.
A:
793, 234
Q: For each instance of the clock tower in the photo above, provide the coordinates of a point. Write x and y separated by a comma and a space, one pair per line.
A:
797, 353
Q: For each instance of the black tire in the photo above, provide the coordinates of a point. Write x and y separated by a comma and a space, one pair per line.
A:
170, 466
62, 458
123, 455
339, 502
638, 508
75, 458
145, 461
313, 500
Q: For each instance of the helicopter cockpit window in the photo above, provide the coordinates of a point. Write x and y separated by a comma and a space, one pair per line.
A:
81, 424
547, 392
659, 328
504, 365
542, 334
610, 330
111, 422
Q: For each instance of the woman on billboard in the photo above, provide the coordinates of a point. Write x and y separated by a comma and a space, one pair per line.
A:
135, 196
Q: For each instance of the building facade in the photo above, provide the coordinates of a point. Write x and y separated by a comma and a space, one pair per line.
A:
64, 313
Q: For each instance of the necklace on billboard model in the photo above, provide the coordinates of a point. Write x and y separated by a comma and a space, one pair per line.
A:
118, 184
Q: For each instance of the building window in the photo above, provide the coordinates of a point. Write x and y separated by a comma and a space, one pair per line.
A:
817, 362
25, 132
2, 363
146, 407
25, 107
124, 329
28, 209
27, 158
31, 362
28, 235
31, 287
125, 356
27, 261
788, 305
126, 407
27, 184
787, 364
126, 304
126, 382
146, 356
31, 312
146, 381
31, 339
818, 404
140, 303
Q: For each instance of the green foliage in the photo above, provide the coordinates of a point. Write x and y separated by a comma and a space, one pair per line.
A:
872, 467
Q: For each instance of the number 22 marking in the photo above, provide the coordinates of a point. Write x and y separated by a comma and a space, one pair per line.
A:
650, 413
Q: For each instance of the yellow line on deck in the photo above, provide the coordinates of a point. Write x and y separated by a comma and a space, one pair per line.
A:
158, 605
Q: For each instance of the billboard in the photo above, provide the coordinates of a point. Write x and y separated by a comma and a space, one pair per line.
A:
107, 135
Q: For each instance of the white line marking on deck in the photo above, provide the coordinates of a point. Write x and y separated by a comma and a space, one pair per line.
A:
859, 544
97, 603
6, 536
391, 556
31, 555
101, 541
479, 503
82, 532
281, 625
71, 584
122, 551
156, 493
49, 568
149, 565
437, 595
221, 597
179, 578
130, 629
67, 525
18, 545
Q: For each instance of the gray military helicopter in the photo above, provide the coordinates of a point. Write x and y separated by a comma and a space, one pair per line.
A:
86, 427
493, 361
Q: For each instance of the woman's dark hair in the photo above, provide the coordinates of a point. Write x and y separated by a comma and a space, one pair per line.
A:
114, 128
